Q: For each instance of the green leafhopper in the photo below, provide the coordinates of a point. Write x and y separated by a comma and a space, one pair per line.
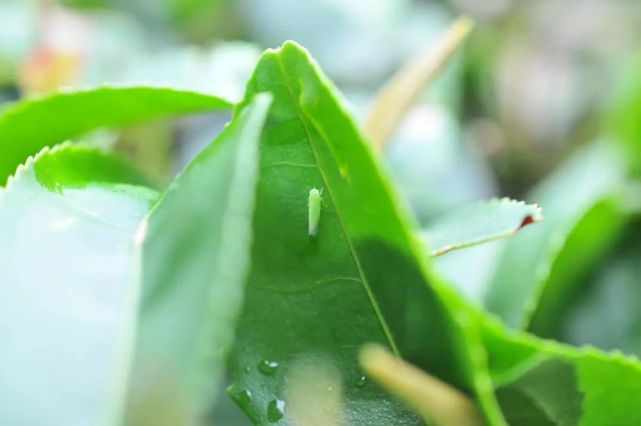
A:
314, 206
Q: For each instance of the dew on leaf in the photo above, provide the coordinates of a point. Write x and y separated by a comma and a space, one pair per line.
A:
275, 410
267, 367
243, 397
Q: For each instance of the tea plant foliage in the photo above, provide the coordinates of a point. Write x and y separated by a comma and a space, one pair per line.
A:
40, 121
121, 305
189, 299
574, 193
67, 218
478, 223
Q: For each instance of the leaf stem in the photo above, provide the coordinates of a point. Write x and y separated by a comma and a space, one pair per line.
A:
402, 90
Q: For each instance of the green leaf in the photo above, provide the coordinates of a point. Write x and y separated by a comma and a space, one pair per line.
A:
541, 382
66, 220
531, 259
550, 391
605, 312
31, 124
591, 239
312, 301
193, 261
478, 223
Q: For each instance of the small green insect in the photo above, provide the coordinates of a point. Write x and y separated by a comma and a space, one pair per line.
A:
314, 206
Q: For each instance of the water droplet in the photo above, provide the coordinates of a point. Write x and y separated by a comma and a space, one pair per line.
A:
361, 381
275, 410
243, 397
267, 367
247, 369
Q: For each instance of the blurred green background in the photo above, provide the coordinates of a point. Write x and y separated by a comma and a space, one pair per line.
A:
530, 88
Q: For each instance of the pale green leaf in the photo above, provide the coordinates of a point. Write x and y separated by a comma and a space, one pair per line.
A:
478, 223
66, 219
194, 257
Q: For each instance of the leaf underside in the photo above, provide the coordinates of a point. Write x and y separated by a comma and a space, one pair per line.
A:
191, 298
61, 320
477, 224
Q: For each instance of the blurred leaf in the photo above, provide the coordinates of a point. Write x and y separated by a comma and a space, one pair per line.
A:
31, 124
204, 19
566, 197
221, 70
66, 219
588, 243
470, 270
606, 312
544, 383
477, 224
362, 278
193, 260
429, 153
623, 120
547, 394
86, 4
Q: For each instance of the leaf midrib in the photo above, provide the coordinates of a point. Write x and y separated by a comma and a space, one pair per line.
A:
370, 295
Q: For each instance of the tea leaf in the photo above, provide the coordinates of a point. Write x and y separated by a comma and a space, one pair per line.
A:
66, 219
194, 254
477, 224
33, 123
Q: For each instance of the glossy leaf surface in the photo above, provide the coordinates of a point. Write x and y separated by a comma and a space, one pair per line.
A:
312, 301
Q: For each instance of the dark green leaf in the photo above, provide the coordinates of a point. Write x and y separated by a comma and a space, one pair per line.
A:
312, 301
